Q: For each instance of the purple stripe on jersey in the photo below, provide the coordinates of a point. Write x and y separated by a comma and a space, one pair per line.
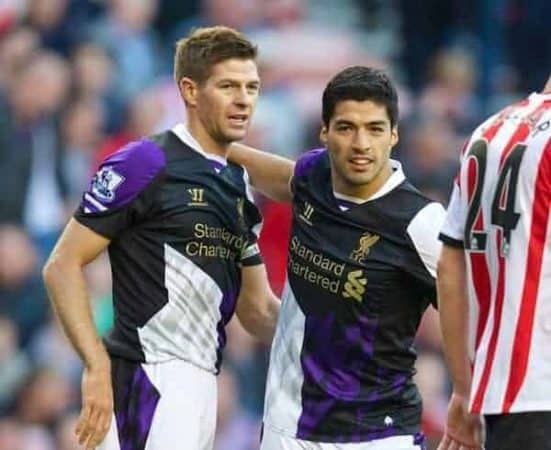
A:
227, 308
346, 203
334, 360
134, 422
420, 440
307, 161
217, 165
125, 173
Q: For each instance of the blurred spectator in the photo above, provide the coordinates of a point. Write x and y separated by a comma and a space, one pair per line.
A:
14, 364
22, 297
450, 95
82, 134
65, 436
126, 34
249, 362
431, 379
528, 40
44, 398
16, 47
51, 350
17, 256
143, 116
11, 435
430, 26
94, 80
429, 151
37, 438
33, 172
58, 30
235, 429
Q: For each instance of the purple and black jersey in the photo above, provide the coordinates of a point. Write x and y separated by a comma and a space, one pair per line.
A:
358, 282
181, 226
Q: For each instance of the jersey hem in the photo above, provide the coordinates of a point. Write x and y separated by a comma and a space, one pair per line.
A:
324, 439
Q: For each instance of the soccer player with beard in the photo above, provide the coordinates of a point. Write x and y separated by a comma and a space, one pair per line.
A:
180, 226
361, 272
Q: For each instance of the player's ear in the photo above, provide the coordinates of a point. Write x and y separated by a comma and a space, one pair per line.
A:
188, 90
394, 138
323, 134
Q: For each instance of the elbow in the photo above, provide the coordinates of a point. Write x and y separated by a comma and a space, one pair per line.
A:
249, 321
54, 272
49, 272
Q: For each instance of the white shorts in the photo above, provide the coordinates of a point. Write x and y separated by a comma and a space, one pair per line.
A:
275, 441
169, 405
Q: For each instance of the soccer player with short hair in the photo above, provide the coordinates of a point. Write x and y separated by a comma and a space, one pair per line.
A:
494, 281
181, 229
361, 266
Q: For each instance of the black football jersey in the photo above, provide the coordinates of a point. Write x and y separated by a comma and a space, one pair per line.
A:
181, 224
358, 282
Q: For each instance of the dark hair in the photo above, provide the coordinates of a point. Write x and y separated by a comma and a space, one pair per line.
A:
360, 83
204, 47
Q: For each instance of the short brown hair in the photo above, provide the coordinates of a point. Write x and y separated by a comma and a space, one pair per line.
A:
204, 47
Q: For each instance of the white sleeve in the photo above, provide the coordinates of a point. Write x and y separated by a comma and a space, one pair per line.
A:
453, 229
423, 231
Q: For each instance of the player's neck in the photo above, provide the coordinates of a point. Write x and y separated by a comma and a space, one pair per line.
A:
547, 88
205, 140
362, 191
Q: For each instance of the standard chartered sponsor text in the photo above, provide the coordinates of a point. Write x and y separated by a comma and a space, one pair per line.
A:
300, 254
231, 242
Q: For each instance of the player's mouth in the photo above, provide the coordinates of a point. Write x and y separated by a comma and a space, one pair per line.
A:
238, 120
360, 163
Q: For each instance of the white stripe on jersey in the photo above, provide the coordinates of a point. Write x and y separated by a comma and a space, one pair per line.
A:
186, 327
423, 231
283, 402
94, 202
510, 307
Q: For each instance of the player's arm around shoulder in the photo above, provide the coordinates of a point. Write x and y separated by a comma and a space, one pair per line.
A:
64, 279
257, 305
270, 174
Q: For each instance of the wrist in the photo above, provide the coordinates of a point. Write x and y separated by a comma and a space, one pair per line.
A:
99, 362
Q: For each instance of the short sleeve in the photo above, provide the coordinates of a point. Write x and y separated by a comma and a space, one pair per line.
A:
453, 228
121, 191
423, 231
250, 255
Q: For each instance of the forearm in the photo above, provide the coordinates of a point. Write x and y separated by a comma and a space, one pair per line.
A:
454, 313
67, 291
270, 174
261, 322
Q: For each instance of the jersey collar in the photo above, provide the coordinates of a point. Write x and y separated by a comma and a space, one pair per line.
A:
185, 136
393, 181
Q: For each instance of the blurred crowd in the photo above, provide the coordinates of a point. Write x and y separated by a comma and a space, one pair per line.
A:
80, 78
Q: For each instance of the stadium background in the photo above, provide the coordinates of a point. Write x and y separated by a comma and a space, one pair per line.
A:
80, 78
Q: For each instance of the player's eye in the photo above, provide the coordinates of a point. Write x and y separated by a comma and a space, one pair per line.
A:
344, 127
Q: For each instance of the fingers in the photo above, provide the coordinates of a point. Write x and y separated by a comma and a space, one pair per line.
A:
444, 443
93, 426
83, 424
95, 436
449, 443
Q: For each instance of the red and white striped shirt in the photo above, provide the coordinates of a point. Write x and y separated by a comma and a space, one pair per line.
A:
499, 212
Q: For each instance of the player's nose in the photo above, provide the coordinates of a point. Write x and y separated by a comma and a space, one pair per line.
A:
361, 141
